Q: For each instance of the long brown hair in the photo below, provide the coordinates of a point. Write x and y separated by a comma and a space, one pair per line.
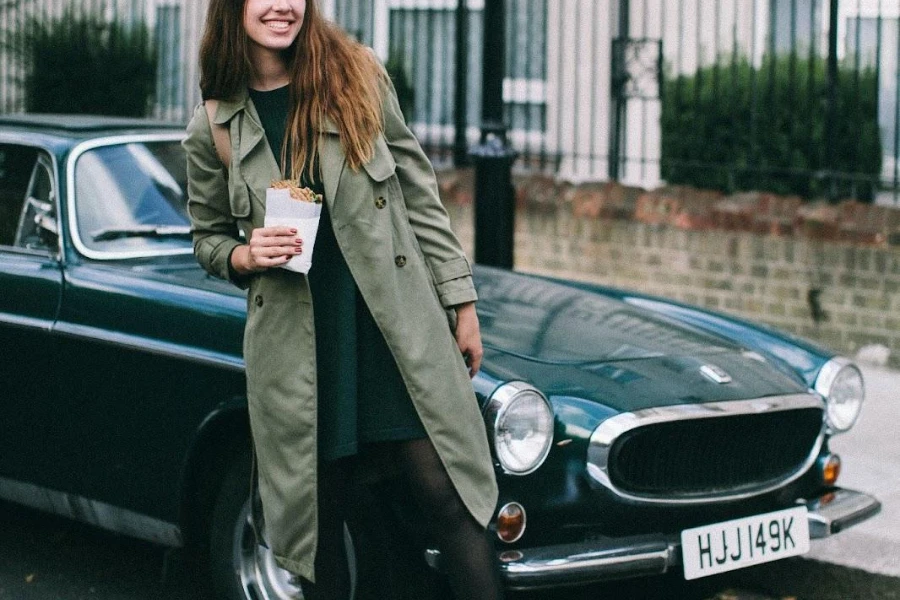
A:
332, 76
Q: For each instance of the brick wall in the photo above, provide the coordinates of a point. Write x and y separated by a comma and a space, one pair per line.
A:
764, 277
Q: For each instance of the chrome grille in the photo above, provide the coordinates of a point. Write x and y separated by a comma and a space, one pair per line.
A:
697, 453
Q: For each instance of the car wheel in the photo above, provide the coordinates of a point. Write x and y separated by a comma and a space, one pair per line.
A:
242, 569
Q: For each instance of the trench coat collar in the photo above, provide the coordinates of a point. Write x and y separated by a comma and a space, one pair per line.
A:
227, 109
260, 169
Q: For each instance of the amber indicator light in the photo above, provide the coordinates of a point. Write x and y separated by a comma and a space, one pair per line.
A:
511, 522
831, 469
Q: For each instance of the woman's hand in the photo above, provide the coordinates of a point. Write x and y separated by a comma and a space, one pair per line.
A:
468, 336
269, 247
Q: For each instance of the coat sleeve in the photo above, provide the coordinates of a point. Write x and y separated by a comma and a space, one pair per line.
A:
214, 229
449, 266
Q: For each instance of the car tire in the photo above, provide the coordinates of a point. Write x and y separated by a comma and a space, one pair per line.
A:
240, 568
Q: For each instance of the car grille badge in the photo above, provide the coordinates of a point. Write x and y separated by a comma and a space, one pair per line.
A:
715, 374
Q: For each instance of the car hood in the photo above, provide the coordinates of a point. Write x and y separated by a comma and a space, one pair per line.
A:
569, 342
575, 343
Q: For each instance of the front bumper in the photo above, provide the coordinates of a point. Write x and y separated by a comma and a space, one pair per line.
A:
614, 558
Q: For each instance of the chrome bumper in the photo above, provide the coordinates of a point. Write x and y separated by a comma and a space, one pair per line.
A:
836, 511
614, 558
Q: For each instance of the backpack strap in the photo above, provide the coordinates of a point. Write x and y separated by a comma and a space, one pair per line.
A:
221, 139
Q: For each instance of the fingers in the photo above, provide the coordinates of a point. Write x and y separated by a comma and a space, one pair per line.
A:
472, 353
284, 237
473, 361
273, 246
468, 337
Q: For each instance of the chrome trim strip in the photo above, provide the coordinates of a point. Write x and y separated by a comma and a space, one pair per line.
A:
44, 325
501, 399
610, 430
107, 516
837, 510
158, 347
586, 562
74, 155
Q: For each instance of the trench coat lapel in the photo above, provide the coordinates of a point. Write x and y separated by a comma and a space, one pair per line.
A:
256, 167
259, 168
332, 159
257, 163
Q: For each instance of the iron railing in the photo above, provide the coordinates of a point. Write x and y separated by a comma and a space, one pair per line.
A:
592, 85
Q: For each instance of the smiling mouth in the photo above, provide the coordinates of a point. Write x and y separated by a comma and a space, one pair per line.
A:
278, 25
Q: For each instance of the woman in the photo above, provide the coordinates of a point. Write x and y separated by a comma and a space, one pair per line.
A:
375, 365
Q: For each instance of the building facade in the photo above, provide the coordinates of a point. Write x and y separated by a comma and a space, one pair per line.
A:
584, 80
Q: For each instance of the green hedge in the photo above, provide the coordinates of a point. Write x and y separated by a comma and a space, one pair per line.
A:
80, 63
406, 94
736, 127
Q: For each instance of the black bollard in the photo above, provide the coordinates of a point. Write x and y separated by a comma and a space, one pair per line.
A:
493, 158
494, 202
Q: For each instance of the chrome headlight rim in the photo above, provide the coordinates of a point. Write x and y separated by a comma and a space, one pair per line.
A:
498, 405
824, 386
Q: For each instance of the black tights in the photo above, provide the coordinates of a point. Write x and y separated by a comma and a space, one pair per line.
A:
467, 553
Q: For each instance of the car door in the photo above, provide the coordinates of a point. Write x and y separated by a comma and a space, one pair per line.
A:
30, 291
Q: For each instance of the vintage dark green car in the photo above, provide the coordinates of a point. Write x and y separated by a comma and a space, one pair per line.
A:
632, 435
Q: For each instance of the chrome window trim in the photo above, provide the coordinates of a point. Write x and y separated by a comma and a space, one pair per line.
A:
151, 346
74, 155
54, 179
101, 514
606, 434
30, 252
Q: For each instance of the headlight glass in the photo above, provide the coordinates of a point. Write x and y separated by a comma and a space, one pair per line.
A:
841, 384
521, 422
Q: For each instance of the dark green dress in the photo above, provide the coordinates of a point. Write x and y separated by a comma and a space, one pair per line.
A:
361, 395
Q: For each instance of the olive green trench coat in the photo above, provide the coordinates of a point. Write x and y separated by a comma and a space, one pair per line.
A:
395, 236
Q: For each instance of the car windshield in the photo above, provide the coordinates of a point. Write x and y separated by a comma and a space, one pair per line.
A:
131, 198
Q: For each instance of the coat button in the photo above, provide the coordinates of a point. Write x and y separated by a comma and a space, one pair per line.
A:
380, 202
258, 300
400, 260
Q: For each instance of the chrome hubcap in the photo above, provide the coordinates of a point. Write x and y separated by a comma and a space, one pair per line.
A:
260, 577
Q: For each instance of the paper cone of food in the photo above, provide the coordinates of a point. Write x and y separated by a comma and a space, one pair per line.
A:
292, 206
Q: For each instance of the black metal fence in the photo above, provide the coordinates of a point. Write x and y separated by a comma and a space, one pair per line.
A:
792, 96
797, 96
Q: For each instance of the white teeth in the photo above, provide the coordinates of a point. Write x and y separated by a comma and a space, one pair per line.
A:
278, 25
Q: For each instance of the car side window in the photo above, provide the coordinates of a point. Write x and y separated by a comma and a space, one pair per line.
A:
27, 199
37, 220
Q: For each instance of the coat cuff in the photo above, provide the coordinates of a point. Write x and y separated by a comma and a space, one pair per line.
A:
238, 279
216, 252
457, 291
453, 281
451, 269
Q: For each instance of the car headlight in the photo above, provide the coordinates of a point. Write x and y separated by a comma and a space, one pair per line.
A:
841, 384
520, 425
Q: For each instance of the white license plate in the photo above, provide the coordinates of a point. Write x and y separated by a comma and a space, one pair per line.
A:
744, 542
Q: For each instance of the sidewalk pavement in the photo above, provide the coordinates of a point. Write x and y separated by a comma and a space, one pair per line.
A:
870, 454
